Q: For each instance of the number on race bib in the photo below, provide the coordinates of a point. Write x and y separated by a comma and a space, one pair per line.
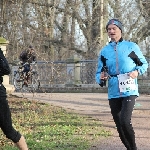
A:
126, 83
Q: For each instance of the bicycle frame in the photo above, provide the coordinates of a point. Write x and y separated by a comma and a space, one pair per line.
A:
28, 80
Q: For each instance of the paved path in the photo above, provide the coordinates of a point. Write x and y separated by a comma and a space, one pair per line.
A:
96, 105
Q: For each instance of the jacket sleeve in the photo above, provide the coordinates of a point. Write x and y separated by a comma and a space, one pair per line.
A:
140, 60
98, 71
34, 57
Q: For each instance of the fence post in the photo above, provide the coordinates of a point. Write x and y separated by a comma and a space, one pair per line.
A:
73, 71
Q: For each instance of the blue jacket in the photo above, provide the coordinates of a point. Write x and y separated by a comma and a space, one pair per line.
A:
120, 58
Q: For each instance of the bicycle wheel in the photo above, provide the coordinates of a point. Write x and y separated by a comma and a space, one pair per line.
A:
35, 83
18, 81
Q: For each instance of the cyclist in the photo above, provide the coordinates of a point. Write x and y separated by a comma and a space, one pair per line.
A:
26, 58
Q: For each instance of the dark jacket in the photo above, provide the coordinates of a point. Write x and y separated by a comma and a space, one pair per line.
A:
4, 66
25, 56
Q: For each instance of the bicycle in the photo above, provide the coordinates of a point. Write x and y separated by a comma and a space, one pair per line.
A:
26, 81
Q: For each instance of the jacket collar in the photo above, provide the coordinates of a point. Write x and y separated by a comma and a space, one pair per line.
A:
121, 39
115, 43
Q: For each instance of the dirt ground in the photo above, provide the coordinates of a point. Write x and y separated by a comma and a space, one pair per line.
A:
96, 105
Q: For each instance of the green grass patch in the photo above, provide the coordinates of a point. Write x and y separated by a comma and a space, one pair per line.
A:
48, 127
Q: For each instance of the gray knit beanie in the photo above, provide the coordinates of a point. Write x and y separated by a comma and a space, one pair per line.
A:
115, 22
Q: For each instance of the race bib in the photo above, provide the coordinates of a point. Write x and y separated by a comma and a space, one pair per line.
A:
126, 83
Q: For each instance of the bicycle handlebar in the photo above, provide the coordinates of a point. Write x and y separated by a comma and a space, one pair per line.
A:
34, 62
23, 64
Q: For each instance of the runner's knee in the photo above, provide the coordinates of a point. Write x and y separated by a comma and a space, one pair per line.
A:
125, 122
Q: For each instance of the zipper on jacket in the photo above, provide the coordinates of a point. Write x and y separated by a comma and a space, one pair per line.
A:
117, 67
117, 63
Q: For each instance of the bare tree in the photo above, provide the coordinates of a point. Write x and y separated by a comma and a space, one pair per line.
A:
61, 28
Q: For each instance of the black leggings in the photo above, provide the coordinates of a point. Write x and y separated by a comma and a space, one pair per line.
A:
5, 118
121, 110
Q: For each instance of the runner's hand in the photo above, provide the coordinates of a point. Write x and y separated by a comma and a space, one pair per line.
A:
103, 76
133, 74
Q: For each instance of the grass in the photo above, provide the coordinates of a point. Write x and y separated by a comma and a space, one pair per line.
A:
48, 127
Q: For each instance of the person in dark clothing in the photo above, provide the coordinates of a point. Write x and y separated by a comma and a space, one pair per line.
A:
5, 113
26, 58
124, 62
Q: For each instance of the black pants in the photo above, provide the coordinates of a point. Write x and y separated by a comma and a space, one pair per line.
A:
121, 110
5, 118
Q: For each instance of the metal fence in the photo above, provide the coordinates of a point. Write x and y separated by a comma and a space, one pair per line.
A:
56, 73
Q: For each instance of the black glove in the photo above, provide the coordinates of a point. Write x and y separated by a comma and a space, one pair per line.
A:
103, 83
